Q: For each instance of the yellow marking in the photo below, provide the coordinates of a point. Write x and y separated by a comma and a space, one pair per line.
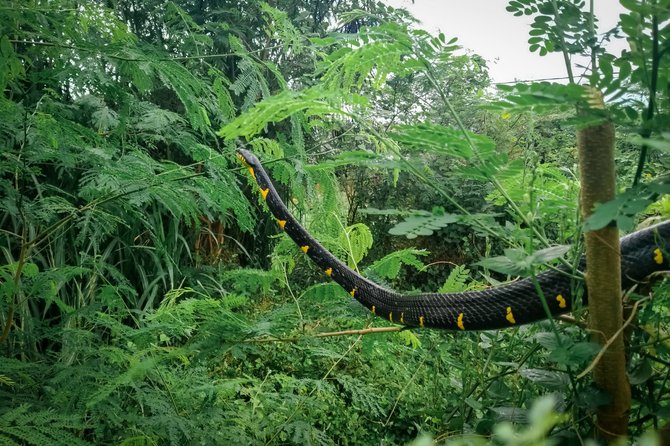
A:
658, 256
510, 316
421, 321
391, 316
561, 301
329, 272
402, 318
241, 158
251, 171
373, 309
305, 248
264, 193
281, 223
353, 293
459, 322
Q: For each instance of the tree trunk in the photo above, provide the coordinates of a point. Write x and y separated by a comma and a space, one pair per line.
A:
603, 280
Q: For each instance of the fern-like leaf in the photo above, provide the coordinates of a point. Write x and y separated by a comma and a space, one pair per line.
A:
423, 223
389, 266
312, 102
457, 280
23, 426
356, 240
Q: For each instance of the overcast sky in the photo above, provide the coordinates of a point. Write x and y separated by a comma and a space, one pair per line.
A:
485, 27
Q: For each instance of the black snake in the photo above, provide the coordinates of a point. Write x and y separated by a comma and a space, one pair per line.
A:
643, 253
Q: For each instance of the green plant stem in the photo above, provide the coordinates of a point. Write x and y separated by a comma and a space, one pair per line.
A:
545, 306
554, 328
350, 248
566, 56
23, 255
651, 105
329, 334
592, 28
295, 300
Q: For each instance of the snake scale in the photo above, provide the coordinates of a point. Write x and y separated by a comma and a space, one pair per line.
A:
515, 303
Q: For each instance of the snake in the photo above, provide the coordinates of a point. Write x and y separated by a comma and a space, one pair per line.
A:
546, 295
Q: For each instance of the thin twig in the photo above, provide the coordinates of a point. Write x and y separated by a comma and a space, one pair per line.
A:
571, 320
613, 338
402, 391
360, 332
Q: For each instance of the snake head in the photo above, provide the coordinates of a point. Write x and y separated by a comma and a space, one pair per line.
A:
241, 158
249, 159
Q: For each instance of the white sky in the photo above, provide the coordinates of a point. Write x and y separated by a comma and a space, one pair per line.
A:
485, 27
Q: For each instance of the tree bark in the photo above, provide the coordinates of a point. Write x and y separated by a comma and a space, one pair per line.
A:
603, 280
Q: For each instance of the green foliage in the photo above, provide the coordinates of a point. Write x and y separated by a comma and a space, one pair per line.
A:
516, 262
356, 240
311, 102
423, 223
544, 193
137, 309
557, 26
378, 51
389, 266
25, 426
444, 141
627, 205
280, 27
456, 281
541, 97
542, 419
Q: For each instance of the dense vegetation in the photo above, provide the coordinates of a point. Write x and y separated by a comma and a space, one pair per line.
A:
145, 300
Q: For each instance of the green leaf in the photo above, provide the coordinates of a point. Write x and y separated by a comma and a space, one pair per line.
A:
311, 102
356, 240
549, 339
456, 281
409, 338
550, 379
350, 157
476, 405
623, 209
441, 140
389, 266
659, 142
393, 212
641, 373
541, 96
423, 224
516, 262
575, 354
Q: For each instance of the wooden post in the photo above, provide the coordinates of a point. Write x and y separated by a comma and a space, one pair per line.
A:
603, 280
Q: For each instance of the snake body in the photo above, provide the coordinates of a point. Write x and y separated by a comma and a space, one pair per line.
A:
642, 253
